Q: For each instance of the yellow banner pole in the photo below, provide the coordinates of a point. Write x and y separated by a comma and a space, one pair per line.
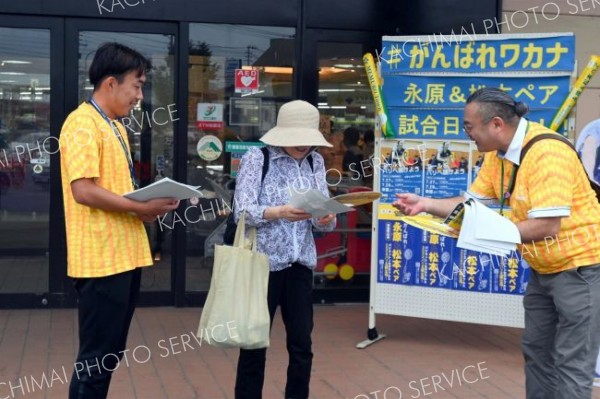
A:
386, 127
586, 75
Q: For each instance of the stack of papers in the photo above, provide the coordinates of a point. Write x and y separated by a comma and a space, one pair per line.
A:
483, 230
164, 188
318, 205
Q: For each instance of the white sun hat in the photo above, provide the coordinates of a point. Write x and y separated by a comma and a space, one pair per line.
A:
297, 126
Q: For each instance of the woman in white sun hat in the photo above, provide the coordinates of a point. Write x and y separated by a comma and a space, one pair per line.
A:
285, 235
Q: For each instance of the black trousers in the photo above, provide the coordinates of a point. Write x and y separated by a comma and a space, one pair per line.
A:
291, 289
105, 306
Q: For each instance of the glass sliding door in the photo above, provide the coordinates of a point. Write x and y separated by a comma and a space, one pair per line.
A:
347, 111
25, 149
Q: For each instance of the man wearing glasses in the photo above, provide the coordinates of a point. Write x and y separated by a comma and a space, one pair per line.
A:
556, 212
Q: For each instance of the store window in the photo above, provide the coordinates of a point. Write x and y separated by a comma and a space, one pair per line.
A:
238, 78
25, 149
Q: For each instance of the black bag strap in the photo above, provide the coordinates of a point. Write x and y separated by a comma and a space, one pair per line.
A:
552, 136
265, 168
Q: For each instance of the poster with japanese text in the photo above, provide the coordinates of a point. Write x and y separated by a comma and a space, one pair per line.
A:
425, 86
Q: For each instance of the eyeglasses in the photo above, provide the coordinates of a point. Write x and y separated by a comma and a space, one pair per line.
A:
468, 127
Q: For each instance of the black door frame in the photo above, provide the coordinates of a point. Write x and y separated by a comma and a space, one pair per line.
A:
72, 28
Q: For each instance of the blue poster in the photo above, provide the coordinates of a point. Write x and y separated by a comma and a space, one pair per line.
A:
453, 91
409, 255
448, 268
425, 84
432, 259
510, 274
445, 124
445, 184
395, 256
469, 54
474, 271
394, 181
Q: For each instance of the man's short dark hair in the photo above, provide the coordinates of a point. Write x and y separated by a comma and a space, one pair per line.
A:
495, 102
114, 59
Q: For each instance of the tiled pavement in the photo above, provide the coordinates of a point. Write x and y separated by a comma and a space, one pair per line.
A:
418, 359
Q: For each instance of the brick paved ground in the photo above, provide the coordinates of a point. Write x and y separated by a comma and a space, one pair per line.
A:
416, 354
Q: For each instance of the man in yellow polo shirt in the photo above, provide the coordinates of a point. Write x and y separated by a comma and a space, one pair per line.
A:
556, 212
106, 240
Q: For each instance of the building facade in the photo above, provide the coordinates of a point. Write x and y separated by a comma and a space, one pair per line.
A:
294, 49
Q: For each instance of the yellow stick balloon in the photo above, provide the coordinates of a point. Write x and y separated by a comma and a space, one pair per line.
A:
371, 70
586, 75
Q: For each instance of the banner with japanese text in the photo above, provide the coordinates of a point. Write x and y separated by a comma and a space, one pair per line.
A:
410, 251
425, 85
475, 54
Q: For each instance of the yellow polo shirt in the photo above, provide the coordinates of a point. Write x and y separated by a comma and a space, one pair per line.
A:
99, 243
550, 182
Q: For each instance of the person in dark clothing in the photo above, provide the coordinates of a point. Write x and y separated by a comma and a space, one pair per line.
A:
353, 157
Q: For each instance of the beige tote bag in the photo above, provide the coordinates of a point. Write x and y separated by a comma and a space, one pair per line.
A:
236, 313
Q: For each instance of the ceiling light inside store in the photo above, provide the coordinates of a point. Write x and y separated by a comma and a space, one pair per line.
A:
12, 73
331, 70
334, 90
279, 70
348, 66
15, 62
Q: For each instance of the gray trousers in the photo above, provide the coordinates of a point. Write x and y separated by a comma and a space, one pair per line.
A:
562, 333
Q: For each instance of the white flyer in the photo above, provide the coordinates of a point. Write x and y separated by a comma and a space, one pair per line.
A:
318, 205
164, 188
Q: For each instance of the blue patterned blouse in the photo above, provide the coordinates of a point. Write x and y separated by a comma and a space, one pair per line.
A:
283, 241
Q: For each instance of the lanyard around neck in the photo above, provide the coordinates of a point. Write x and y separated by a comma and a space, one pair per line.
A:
506, 194
119, 137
